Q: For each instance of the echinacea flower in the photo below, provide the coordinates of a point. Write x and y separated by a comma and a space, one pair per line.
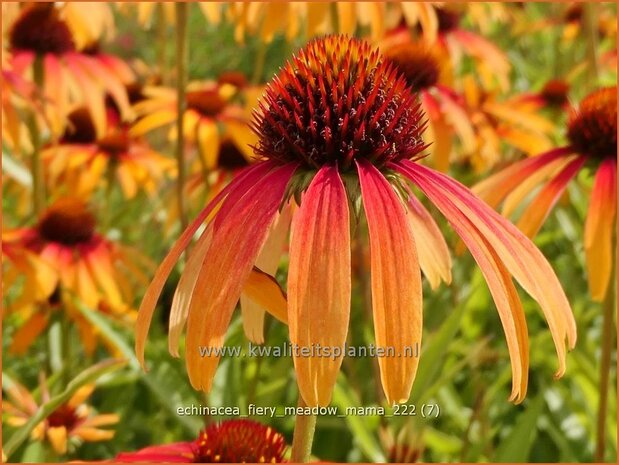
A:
592, 136
73, 422
80, 159
210, 117
231, 441
41, 42
340, 132
81, 263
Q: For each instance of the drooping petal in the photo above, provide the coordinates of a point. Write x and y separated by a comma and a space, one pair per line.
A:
237, 240
434, 257
530, 182
523, 260
28, 333
184, 290
319, 283
502, 290
396, 282
264, 290
537, 211
267, 261
494, 188
599, 229
240, 184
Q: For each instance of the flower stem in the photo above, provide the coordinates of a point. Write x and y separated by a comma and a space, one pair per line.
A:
608, 342
161, 31
304, 427
36, 166
181, 82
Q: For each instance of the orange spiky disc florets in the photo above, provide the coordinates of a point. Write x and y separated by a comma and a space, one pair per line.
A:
240, 441
336, 101
39, 29
69, 221
592, 129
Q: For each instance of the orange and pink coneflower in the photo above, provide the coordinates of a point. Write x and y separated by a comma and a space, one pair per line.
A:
340, 133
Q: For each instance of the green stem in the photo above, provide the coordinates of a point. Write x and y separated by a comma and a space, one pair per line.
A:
161, 42
181, 82
304, 427
65, 327
36, 166
608, 343
591, 31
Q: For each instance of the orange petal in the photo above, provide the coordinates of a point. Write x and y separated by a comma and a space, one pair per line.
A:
238, 236
240, 184
523, 260
599, 229
319, 284
57, 436
28, 332
267, 261
264, 290
184, 290
434, 257
537, 211
503, 293
396, 283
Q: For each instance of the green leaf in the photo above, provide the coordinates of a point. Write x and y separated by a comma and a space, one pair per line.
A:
107, 330
515, 447
362, 433
87, 376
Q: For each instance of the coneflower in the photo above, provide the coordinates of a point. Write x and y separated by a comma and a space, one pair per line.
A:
340, 132
231, 441
592, 136
592, 143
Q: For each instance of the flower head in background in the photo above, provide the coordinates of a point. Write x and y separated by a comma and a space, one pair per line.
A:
231, 441
340, 132
427, 70
79, 262
554, 94
43, 47
80, 159
73, 422
492, 65
210, 118
592, 136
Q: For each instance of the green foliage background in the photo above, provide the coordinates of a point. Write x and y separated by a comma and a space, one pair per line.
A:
464, 365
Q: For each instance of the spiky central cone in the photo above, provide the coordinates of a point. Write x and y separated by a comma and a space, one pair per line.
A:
40, 30
336, 101
555, 92
418, 64
68, 222
240, 441
592, 129
207, 102
80, 128
65, 415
